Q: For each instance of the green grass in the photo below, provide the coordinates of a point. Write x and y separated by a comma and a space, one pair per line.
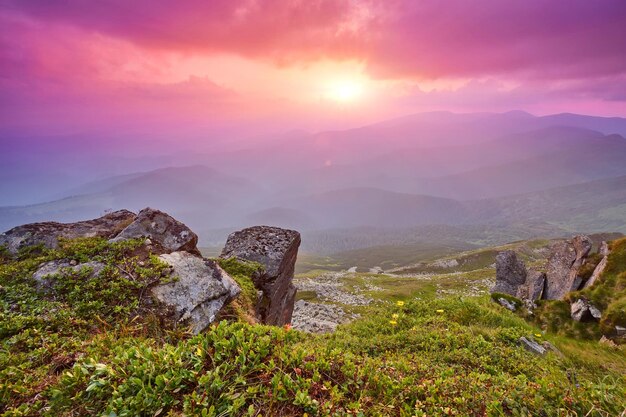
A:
95, 347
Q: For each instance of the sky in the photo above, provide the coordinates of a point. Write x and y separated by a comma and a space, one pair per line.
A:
225, 68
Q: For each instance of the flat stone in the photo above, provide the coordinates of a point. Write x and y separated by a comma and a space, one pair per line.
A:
532, 346
45, 273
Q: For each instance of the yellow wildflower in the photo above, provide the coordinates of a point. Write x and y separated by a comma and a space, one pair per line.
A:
538, 335
199, 352
439, 311
400, 303
394, 316
393, 322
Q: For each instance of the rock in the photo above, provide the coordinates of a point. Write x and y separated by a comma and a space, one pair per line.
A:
43, 275
352, 270
608, 342
510, 273
549, 346
162, 230
620, 332
604, 249
507, 304
597, 272
535, 285
48, 233
276, 249
583, 310
376, 270
319, 318
200, 291
532, 346
563, 266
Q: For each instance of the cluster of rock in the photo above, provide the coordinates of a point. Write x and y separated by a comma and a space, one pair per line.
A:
201, 289
319, 318
561, 277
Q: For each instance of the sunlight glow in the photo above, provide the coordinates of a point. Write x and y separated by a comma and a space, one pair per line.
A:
345, 91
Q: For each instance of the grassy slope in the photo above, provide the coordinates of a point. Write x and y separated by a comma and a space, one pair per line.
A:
77, 355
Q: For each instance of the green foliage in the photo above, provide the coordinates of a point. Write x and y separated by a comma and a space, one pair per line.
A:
5, 255
243, 272
85, 352
495, 296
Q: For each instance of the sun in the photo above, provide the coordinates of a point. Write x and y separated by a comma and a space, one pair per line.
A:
345, 91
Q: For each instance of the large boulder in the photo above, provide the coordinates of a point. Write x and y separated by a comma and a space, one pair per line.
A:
199, 291
510, 273
165, 232
48, 233
563, 266
276, 249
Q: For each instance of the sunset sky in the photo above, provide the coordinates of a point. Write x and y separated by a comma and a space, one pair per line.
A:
262, 66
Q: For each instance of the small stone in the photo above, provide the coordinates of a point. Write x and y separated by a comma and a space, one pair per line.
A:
507, 304
607, 342
532, 346
73, 262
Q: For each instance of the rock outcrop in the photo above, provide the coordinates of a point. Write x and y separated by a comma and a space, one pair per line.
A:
276, 249
563, 266
165, 232
199, 292
510, 273
48, 233
583, 310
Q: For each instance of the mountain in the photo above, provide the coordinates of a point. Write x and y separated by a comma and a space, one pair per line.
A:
196, 194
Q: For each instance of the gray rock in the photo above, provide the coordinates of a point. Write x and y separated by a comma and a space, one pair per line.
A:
563, 266
46, 271
583, 310
276, 249
532, 346
550, 347
319, 318
48, 233
620, 331
597, 272
535, 285
161, 230
199, 293
376, 270
604, 249
507, 304
510, 273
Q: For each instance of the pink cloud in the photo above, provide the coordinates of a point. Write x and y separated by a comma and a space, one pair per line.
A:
397, 38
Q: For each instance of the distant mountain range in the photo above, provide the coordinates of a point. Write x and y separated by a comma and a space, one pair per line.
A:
512, 174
